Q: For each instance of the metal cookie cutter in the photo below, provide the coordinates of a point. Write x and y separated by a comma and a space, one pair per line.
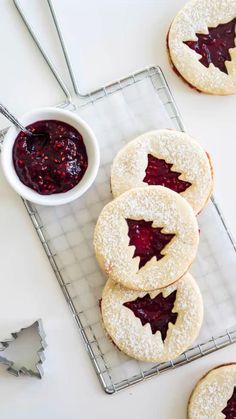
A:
37, 326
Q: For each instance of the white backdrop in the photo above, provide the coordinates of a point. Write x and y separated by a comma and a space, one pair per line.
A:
108, 39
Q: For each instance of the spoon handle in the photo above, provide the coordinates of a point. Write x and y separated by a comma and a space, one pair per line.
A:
4, 111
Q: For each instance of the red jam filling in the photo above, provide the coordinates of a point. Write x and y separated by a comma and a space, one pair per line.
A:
158, 172
175, 69
230, 410
155, 311
52, 162
214, 46
148, 241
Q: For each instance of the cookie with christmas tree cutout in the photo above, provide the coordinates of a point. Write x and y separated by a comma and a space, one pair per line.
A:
156, 326
146, 238
214, 396
201, 44
165, 157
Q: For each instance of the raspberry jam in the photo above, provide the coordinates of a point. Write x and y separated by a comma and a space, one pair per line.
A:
157, 311
158, 172
148, 241
175, 69
52, 162
230, 410
214, 46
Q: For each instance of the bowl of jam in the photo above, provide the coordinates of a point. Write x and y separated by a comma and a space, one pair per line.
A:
55, 165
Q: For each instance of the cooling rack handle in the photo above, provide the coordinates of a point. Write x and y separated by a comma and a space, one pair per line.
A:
64, 50
41, 49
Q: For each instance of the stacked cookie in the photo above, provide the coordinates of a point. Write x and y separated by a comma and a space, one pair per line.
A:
145, 241
201, 45
214, 396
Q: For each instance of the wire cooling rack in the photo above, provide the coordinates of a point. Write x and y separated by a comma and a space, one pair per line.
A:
117, 113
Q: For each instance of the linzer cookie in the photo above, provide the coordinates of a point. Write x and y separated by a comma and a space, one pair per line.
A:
201, 44
215, 394
165, 157
146, 238
156, 326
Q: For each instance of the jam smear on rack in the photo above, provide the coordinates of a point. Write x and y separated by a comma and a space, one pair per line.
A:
54, 161
148, 241
214, 46
158, 172
155, 311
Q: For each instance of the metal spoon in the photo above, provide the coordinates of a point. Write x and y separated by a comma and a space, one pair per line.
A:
4, 111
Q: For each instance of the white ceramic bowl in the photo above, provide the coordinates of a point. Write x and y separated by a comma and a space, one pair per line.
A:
91, 148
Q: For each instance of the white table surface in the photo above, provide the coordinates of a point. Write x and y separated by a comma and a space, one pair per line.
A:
70, 389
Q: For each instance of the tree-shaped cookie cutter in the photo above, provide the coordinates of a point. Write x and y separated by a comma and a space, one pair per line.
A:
17, 371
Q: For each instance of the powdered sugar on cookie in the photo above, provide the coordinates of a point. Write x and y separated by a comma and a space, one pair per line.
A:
195, 18
177, 148
137, 340
165, 209
212, 393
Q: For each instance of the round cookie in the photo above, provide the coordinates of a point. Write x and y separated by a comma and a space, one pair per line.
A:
201, 44
214, 396
146, 238
164, 157
153, 327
